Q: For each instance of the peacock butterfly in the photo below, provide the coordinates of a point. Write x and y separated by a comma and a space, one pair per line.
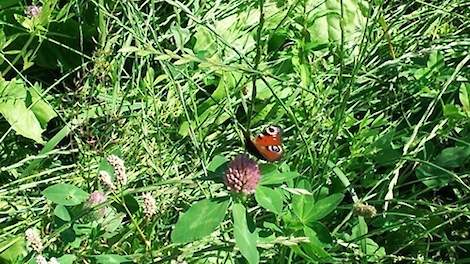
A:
267, 145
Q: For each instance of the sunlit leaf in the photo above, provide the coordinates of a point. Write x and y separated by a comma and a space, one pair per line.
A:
315, 247
61, 212
464, 96
67, 259
14, 110
65, 194
245, 239
112, 259
325, 206
199, 221
13, 249
269, 198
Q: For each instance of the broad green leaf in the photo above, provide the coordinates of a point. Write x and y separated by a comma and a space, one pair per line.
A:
315, 247
112, 259
303, 205
269, 199
453, 157
67, 259
359, 231
61, 212
278, 177
65, 194
453, 111
324, 22
199, 221
325, 206
245, 240
435, 58
374, 252
22, 120
41, 109
431, 176
12, 249
464, 96
14, 110
216, 162
322, 232
24, 110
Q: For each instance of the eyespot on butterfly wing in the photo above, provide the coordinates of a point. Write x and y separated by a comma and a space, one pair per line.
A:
267, 145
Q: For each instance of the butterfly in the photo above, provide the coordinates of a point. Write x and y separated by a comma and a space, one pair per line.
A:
267, 145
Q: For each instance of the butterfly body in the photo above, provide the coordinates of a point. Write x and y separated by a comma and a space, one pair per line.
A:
267, 145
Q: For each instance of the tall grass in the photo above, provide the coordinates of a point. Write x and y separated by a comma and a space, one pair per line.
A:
373, 99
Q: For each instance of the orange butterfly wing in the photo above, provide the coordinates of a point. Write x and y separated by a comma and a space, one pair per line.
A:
268, 145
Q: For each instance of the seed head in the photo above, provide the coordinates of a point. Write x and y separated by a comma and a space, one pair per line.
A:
242, 175
150, 207
34, 240
365, 210
107, 181
119, 169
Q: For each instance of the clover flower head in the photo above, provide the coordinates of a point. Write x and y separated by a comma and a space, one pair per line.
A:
242, 175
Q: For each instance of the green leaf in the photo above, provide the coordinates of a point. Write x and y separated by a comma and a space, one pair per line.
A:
67, 259
245, 240
453, 157
325, 206
359, 231
217, 162
315, 247
324, 23
61, 212
65, 194
453, 111
464, 96
269, 199
199, 221
322, 232
303, 205
12, 249
431, 176
14, 110
277, 177
112, 259
41, 109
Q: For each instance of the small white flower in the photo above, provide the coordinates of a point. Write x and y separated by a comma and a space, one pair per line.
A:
33, 11
41, 260
34, 240
53, 261
119, 169
150, 207
106, 179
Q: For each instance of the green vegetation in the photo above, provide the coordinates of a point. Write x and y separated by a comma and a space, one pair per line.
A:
118, 120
